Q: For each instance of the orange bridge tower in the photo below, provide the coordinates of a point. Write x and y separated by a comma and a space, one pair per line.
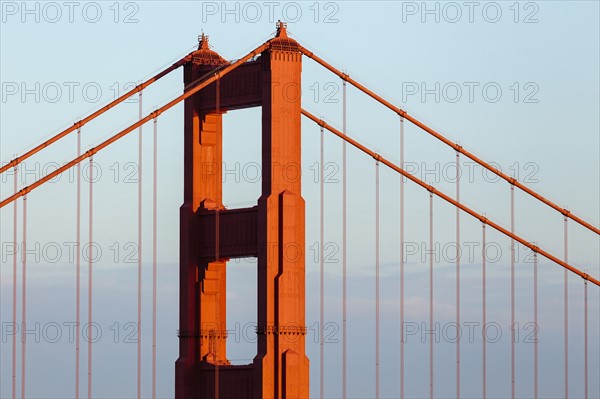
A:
273, 230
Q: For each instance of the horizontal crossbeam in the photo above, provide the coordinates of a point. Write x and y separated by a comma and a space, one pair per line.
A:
238, 233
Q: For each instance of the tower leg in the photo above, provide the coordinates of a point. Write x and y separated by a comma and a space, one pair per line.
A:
281, 364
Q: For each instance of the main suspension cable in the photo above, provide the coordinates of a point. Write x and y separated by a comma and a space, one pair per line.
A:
94, 115
446, 141
129, 129
449, 199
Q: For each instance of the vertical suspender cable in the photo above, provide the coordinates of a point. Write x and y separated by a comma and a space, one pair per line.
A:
139, 277
1, 318
14, 294
24, 299
483, 321
377, 279
535, 324
90, 228
78, 271
431, 253
457, 276
585, 339
512, 292
566, 306
154, 250
402, 260
322, 272
344, 244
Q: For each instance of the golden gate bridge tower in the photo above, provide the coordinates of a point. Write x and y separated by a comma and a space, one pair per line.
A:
273, 231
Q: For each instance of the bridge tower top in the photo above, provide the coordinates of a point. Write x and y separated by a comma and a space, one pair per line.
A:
204, 55
281, 29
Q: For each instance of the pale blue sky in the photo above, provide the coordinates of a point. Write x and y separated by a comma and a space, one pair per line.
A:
545, 126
